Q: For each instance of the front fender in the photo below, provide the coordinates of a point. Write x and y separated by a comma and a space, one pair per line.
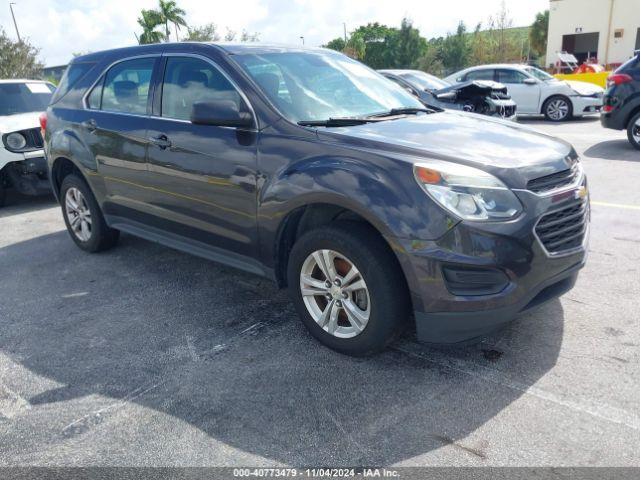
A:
380, 190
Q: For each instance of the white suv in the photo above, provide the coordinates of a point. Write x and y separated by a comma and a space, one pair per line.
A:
536, 92
22, 163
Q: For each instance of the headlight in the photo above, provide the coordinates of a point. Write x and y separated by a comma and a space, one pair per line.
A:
15, 141
467, 192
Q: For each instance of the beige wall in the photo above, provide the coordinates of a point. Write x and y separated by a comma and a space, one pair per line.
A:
593, 16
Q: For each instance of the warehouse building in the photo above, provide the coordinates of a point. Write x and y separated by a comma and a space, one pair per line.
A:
607, 30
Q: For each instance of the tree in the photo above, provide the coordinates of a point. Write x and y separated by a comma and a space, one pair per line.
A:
504, 47
169, 12
149, 21
337, 44
205, 33
376, 39
538, 33
249, 37
455, 49
18, 59
406, 47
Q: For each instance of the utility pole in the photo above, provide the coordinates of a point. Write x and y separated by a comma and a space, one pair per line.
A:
302, 38
344, 24
14, 21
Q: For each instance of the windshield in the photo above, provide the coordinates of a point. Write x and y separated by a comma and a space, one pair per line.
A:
424, 81
321, 85
539, 74
24, 97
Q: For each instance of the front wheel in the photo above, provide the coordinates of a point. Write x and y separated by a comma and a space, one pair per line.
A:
633, 131
348, 288
557, 109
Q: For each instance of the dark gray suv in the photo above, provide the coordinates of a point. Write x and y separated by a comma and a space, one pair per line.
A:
306, 167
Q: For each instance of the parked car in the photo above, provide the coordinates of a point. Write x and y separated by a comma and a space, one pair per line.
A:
477, 96
308, 168
622, 101
22, 163
536, 92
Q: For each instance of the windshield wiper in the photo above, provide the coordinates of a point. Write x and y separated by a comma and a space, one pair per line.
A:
336, 122
402, 111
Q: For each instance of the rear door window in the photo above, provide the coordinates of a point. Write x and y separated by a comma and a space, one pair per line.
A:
71, 75
484, 74
126, 87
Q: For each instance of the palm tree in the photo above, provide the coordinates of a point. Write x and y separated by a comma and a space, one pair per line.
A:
149, 20
169, 12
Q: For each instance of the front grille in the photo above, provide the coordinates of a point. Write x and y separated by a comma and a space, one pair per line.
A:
555, 180
564, 229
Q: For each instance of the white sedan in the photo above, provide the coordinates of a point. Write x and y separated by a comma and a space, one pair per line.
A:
536, 92
22, 163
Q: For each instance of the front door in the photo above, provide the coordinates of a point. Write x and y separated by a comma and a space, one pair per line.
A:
204, 176
526, 96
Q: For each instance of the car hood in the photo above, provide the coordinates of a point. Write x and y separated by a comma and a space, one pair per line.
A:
584, 88
19, 121
514, 153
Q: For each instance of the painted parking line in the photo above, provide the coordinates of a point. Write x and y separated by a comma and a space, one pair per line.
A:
616, 205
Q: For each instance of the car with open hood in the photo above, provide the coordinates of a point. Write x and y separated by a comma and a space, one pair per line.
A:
22, 163
477, 96
308, 168
536, 92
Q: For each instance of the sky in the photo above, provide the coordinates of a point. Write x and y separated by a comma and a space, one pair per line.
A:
59, 28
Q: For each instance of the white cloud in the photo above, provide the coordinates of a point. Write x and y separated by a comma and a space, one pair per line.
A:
60, 27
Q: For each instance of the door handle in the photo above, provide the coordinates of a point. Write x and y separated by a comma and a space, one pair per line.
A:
161, 141
90, 125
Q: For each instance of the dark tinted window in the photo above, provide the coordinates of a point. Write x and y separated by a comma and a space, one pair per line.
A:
24, 97
486, 74
95, 97
511, 76
71, 75
126, 86
188, 80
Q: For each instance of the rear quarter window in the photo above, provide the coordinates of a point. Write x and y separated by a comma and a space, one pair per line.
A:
630, 65
72, 74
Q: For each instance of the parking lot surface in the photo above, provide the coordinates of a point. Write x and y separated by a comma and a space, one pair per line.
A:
147, 356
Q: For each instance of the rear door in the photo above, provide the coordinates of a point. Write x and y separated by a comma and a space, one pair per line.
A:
115, 127
204, 176
526, 96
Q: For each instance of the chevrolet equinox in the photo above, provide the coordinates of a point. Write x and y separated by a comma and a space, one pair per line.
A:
306, 167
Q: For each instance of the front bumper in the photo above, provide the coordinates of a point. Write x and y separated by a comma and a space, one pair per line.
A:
27, 172
586, 105
512, 249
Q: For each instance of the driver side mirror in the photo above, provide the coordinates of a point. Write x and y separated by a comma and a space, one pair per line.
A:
221, 113
530, 81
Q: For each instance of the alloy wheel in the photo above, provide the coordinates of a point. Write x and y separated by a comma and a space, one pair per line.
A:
335, 293
635, 131
558, 109
78, 214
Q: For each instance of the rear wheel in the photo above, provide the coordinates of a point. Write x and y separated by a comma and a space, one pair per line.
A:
348, 288
557, 109
83, 216
633, 131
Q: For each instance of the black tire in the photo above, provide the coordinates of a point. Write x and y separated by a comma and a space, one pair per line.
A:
390, 304
634, 128
101, 237
549, 101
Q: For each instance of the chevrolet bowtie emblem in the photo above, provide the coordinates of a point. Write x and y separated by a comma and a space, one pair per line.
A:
582, 192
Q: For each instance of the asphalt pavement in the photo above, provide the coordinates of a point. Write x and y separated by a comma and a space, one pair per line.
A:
145, 356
